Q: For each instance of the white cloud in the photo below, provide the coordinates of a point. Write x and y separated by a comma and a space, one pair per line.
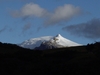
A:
60, 14
63, 13
30, 9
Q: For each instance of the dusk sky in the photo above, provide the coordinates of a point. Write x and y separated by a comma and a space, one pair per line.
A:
76, 20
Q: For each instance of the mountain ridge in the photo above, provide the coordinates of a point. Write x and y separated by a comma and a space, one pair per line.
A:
54, 41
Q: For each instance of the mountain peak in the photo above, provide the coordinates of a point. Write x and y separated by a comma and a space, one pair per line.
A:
58, 35
56, 41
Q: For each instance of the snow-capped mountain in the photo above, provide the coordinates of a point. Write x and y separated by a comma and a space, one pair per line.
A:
48, 41
34, 42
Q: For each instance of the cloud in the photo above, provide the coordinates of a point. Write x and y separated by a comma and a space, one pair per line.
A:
60, 14
38, 29
3, 29
90, 29
63, 13
26, 27
28, 10
14, 0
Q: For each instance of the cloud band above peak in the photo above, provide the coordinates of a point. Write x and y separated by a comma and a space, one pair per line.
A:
63, 13
30, 9
60, 14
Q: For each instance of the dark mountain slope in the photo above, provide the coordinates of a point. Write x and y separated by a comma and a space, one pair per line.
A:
82, 60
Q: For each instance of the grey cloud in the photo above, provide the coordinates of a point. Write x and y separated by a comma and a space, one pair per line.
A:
90, 29
63, 14
3, 29
38, 29
26, 27
11, 30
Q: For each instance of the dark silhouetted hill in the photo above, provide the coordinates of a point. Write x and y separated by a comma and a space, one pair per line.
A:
81, 60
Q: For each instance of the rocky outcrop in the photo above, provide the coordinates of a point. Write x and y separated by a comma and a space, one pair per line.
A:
48, 45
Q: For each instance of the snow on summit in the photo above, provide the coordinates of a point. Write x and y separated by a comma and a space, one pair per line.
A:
64, 42
34, 42
58, 39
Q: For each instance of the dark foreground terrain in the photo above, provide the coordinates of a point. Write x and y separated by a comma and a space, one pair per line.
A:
82, 60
